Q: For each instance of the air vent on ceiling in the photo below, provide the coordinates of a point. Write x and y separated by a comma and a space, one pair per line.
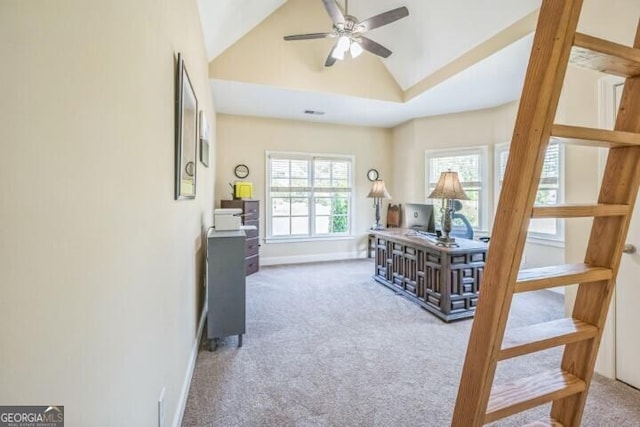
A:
314, 112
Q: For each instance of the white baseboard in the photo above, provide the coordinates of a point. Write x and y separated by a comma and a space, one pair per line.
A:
182, 401
298, 259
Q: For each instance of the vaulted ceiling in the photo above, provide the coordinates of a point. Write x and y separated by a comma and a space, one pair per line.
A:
448, 56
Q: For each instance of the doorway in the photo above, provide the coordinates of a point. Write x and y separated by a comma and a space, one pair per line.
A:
624, 314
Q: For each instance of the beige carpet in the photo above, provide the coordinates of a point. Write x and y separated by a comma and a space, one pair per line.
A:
327, 346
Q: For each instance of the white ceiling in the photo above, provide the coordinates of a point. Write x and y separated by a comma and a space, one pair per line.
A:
435, 33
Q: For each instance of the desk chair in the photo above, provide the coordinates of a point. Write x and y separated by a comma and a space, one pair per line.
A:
394, 217
465, 230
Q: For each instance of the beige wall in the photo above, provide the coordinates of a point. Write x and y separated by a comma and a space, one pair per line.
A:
470, 129
246, 139
100, 269
262, 57
397, 153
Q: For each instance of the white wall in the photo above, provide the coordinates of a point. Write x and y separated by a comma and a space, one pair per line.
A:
100, 269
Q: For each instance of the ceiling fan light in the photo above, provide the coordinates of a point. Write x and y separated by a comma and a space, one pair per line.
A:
343, 44
337, 53
355, 49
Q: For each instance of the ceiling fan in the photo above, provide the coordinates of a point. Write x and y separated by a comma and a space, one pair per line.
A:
349, 32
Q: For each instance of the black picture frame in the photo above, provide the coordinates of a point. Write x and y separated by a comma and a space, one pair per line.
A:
204, 139
186, 134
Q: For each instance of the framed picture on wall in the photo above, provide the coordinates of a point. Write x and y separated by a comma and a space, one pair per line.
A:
186, 134
204, 139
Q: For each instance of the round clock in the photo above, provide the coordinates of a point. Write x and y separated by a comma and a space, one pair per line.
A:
372, 175
241, 171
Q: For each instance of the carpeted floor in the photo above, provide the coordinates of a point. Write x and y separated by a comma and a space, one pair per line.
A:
327, 346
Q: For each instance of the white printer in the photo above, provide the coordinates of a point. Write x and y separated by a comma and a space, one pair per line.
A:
227, 219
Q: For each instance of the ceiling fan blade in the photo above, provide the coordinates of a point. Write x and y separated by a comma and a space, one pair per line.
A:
330, 59
374, 47
383, 19
309, 36
334, 11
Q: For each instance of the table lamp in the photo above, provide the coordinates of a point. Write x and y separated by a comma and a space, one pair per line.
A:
377, 193
448, 189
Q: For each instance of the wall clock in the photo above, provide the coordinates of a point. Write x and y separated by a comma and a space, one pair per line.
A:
241, 171
372, 175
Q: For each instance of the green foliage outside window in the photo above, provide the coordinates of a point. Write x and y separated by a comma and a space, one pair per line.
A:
339, 211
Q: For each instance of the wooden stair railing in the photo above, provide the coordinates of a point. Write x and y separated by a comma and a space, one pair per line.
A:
479, 401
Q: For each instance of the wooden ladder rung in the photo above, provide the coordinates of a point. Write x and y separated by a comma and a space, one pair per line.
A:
533, 279
605, 56
526, 393
579, 135
547, 422
541, 336
579, 210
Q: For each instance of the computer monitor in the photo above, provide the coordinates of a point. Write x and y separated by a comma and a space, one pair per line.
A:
419, 216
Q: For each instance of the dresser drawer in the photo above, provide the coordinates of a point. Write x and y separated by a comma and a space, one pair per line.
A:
251, 233
252, 264
253, 246
251, 211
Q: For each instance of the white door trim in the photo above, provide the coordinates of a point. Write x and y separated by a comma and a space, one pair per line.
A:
606, 362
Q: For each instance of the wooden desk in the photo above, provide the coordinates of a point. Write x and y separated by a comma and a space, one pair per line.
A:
444, 281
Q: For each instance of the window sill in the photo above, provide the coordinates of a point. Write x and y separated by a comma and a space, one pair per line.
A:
270, 240
556, 243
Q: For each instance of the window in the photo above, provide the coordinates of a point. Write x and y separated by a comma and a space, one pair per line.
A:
550, 190
308, 196
470, 163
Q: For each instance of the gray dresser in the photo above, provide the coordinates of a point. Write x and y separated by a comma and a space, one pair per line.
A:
225, 285
250, 217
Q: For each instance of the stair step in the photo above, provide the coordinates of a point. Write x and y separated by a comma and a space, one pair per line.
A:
526, 393
547, 422
533, 279
541, 336
605, 56
594, 137
579, 210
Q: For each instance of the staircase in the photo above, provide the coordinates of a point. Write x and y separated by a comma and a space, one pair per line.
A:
479, 401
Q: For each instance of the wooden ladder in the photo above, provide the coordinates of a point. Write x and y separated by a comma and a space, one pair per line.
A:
479, 402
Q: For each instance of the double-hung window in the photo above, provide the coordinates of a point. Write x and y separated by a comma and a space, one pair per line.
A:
308, 196
550, 190
470, 163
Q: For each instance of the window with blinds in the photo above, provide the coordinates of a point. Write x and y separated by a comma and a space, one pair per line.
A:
550, 190
470, 165
308, 196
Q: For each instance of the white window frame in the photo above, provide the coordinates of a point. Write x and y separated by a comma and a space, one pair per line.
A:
483, 197
556, 239
269, 237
